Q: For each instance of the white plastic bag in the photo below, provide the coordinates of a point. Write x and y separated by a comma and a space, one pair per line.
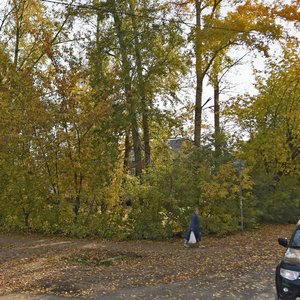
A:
192, 239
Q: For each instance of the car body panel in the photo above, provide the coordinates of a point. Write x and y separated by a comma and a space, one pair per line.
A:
292, 256
289, 289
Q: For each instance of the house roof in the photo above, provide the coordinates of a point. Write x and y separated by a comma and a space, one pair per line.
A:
176, 143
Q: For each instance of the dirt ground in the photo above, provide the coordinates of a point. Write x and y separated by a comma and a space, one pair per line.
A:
232, 267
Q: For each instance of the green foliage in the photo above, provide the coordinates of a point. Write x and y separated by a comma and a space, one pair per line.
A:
66, 107
280, 205
164, 198
144, 218
272, 152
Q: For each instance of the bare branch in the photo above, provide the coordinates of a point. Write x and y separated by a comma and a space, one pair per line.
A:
5, 18
56, 35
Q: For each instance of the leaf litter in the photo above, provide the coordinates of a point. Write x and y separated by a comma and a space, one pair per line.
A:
70, 267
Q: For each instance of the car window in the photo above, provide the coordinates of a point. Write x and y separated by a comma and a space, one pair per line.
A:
295, 241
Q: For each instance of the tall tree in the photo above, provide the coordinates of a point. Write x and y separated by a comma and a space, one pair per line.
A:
127, 84
213, 34
141, 83
272, 119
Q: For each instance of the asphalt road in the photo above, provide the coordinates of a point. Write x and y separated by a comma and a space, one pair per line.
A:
209, 288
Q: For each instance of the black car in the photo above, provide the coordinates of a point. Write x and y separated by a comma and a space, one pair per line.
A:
288, 270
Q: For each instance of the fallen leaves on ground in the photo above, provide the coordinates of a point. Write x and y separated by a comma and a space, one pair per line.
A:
73, 267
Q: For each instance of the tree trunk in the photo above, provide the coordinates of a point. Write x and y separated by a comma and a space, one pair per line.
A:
76, 208
27, 224
16, 55
147, 147
217, 65
141, 86
127, 152
19, 11
199, 76
217, 135
137, 146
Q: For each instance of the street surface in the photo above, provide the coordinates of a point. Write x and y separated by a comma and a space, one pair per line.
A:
233, 267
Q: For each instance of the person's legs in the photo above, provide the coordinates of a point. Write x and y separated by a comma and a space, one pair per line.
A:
185, 244
187, 237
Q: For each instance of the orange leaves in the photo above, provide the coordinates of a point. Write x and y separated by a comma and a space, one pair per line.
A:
288, 12
68, 268
253, 17
47, 44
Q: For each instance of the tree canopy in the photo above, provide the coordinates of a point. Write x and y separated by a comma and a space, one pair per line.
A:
104, 126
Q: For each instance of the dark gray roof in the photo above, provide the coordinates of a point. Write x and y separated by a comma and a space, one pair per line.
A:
176, 143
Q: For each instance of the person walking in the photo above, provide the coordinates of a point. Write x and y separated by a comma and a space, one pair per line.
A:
194, 228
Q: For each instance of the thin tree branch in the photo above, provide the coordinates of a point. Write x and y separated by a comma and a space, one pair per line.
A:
56, 35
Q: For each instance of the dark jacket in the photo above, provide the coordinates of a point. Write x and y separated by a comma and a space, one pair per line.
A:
195, 227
